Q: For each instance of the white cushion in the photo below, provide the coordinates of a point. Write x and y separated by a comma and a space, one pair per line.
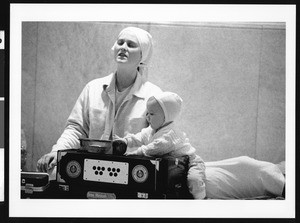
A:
243, 177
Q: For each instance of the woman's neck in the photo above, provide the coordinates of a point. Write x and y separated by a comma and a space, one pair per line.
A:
125, 78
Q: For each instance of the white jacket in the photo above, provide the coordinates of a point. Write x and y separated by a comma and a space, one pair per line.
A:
93, 113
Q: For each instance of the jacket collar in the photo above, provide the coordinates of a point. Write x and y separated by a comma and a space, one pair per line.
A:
137, 89
166, 127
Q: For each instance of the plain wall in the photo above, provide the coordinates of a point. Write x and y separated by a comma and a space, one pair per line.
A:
230, 76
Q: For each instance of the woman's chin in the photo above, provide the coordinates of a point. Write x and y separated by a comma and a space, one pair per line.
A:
121, 60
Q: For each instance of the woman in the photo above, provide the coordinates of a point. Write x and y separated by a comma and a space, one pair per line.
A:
112, 105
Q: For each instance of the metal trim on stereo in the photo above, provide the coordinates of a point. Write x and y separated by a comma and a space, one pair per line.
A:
29, 188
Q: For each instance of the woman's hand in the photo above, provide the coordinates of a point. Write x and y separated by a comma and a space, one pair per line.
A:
47, 162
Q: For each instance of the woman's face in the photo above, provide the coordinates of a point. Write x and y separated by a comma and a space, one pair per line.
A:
127, 50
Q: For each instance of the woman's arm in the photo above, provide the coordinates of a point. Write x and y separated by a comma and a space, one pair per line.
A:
77, 124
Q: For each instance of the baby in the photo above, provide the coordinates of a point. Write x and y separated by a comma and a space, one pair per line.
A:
162, 137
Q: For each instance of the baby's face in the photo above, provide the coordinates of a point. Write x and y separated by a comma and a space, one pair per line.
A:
155, 114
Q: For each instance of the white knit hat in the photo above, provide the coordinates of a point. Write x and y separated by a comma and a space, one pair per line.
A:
145, 41
171, 105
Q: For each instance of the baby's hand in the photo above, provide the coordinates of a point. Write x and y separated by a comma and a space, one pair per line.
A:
116, 137
132, 153
119, 146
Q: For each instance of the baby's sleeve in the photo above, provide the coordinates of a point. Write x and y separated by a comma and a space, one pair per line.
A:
158, 147
137, 140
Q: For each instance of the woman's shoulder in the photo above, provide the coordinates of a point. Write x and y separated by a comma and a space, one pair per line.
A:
100, 81
150, 89
149, 84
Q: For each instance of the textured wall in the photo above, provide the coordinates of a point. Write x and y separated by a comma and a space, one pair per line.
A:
231, 78
271, 101
29, 74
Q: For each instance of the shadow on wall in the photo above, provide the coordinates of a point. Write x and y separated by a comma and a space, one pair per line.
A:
230, 76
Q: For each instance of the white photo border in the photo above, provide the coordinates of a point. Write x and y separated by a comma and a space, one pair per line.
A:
140, 208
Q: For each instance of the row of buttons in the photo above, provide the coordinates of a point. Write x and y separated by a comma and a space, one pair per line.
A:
110, 174
108, 169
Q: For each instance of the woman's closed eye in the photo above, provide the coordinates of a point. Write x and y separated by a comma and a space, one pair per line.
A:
132, 44
120, 42
129, 43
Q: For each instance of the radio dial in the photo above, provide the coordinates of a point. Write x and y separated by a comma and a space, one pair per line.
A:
73, 169
140, 173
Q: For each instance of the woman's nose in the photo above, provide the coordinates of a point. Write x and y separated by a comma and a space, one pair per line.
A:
124, 46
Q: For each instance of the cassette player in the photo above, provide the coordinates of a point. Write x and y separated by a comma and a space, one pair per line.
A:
92, 175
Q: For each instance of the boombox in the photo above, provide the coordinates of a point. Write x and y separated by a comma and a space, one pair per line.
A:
82, 174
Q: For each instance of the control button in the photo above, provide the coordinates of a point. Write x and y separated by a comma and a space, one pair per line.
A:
96, 172
103, 168
118, 170
94, 167
73, 169
115, 174
98, 168
113, 169
140, 173
109, 169
110, 174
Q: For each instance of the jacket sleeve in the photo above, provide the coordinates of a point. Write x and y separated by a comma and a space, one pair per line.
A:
160, 146
134, 140
77, 125
139, 139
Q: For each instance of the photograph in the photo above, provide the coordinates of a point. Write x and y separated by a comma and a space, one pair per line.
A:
151, 112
